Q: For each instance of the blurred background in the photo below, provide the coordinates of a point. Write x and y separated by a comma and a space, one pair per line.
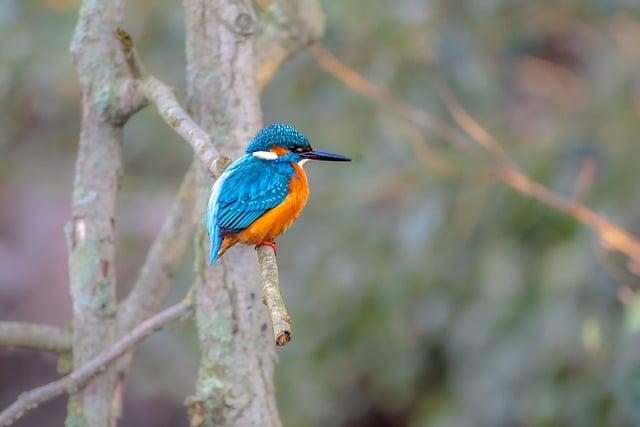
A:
421, 295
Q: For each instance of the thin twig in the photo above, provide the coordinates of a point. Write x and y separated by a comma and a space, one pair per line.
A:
77, 379
352, 79
286, 27
424, 152
587, 173
473, 128
130, 54
35, 336
272, 297
611, 236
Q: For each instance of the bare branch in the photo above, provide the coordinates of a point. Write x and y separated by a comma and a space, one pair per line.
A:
424, 152
297, 19
154, 281
352, 79
35, 336
587, 173
131, 58
77, 379
169, 245
158, 93
108, 100
163, 258
477, 132
296, 26
287, 27
272, 297
235, 378
611, 236
178, 119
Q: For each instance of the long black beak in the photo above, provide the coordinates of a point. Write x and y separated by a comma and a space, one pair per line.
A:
324, 155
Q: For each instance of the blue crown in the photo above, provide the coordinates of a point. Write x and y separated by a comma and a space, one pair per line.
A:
277, 135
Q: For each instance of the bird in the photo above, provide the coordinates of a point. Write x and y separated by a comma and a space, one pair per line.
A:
259, 196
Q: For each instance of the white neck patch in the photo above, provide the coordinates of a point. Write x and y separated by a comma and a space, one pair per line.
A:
265, 155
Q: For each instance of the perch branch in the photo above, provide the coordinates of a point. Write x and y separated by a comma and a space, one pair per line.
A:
77, 379
177, 118
272, 297
35, 336
235, 378
611, 236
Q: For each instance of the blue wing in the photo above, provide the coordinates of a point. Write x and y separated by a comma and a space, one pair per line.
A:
242, 194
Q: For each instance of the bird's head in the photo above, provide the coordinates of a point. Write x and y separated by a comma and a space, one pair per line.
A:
283, 143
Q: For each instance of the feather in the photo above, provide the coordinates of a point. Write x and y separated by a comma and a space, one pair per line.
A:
244, 192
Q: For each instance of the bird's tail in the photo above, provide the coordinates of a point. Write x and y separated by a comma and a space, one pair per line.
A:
219, 246
215, 241
214, 247
227, 242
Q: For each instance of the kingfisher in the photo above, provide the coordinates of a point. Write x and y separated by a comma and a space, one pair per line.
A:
261, 194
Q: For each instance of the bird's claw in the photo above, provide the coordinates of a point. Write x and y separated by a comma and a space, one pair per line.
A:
272, 245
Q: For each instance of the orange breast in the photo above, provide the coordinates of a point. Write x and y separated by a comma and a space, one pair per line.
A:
276, 221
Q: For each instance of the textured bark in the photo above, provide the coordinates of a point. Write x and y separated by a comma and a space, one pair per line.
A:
235, 379
154, 281
163, 259
35, 336
272, 296
92, 262
286, 27
235, 385
107, 102
82, 374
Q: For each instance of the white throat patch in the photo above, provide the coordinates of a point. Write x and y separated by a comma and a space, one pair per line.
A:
302, 162
265, 155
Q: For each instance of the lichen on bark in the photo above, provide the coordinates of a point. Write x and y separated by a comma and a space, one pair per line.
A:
235, 379
105, 106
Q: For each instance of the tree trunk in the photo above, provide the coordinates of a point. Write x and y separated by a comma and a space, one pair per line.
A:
235, 379
107, 101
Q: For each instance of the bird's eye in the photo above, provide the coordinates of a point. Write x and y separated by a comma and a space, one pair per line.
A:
298, 150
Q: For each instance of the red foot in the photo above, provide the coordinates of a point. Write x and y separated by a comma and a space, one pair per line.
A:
272, 245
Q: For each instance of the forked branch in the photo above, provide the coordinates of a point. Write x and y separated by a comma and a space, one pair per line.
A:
159, 94
179, 120
80, 376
